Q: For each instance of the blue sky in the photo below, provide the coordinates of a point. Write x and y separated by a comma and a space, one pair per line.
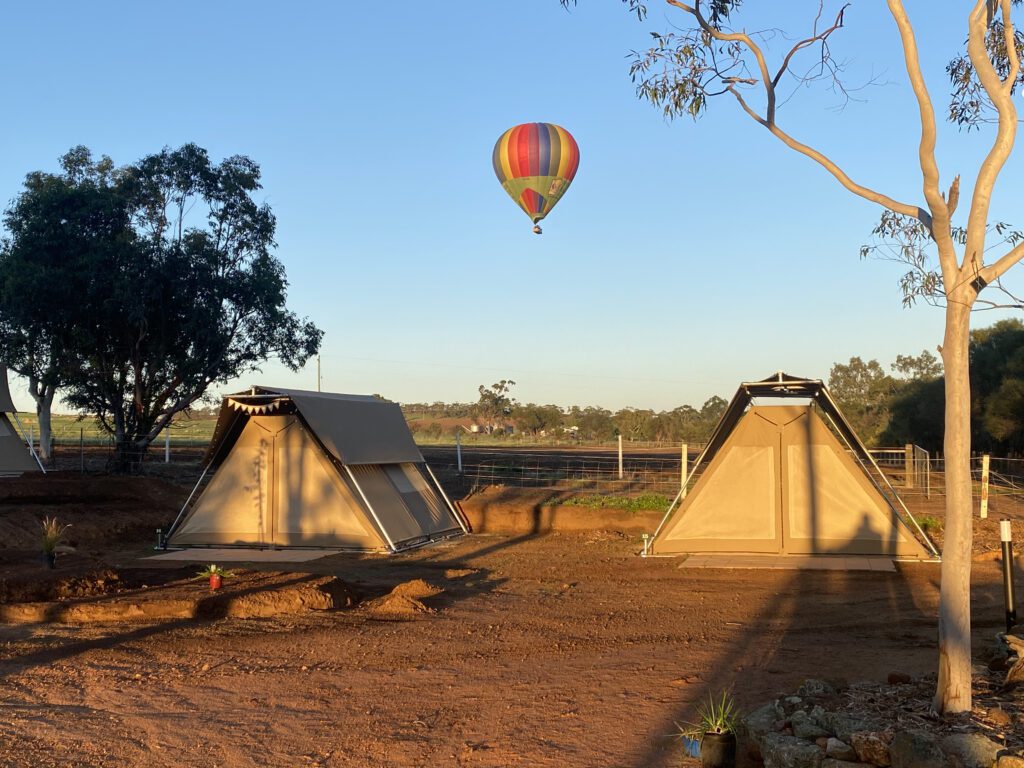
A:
687, 256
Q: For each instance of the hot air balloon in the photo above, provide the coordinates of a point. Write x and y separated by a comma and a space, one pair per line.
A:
535, 163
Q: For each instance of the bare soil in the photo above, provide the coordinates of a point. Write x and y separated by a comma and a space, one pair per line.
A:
533, 649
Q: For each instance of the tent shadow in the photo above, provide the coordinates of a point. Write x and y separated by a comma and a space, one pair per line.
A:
813, 607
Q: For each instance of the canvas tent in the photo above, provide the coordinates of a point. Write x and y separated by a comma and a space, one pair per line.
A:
774, 478
307, 469
15, 456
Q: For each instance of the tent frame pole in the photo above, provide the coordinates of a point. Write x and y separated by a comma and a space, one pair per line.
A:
369, 506
31, 450
462, 523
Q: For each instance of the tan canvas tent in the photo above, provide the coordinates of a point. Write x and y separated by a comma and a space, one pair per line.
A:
775, 479
16, 456
309, 469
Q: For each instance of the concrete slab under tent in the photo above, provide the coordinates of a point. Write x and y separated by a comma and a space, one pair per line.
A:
242, 555
784, 474
290, 468
790, 562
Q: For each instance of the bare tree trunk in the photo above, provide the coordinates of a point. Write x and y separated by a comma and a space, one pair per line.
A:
43, 396
953, 692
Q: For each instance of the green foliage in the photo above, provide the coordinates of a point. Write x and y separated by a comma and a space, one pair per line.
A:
538, 418
53, 533
213, 570
930, 524
969, 105
496, 403
863, 391
716, 715
171, 288
647, 501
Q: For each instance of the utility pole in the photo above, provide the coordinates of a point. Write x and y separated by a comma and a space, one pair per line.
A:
318, 373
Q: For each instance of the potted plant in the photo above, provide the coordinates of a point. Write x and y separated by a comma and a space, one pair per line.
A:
52, 535
715, 731
215, 574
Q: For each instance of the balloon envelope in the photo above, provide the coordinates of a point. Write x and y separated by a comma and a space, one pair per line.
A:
535, 163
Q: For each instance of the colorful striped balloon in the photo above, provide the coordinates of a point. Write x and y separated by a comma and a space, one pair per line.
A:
535, 163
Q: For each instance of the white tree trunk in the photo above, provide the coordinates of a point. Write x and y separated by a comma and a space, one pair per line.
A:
953, 692
43, 396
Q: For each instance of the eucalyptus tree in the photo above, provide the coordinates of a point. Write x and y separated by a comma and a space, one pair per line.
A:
59, 228
708, 56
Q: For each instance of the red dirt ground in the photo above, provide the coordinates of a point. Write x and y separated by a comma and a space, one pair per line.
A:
557, 649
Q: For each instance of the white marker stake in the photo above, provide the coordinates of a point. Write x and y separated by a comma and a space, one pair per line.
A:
686, 468
984, 486
620, 457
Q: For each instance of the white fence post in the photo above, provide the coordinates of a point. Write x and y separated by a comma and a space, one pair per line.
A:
620, 457
685, 470
167, 444
458, 449
984, 486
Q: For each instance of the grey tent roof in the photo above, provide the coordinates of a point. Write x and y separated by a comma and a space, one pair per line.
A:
355, 429
6, 402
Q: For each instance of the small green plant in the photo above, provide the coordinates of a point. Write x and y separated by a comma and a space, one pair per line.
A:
53, 533
930, 523
213, 570
716, 715
644, 502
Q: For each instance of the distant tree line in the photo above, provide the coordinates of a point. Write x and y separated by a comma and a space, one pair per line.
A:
887, 407
496, 408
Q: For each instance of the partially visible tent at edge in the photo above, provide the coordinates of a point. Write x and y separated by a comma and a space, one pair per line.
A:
309, 469
774, 479
16, 456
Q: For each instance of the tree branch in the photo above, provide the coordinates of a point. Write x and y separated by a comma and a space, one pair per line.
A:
999, 93
926, 148
768, 121
861, 191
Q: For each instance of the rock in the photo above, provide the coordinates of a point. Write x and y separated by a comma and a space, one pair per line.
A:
999, 716
831, 762
804, 726
899, 678
1016, 673
839, 750
781, 751
915, 749
839, 683
815, 688
999, 663
789, 705
843, 724
821, 741
972, 750
755, 726
871, 747
1010, 761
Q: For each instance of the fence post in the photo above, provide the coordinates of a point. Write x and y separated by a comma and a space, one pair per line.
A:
620, 457
458, 449
984, 486
81, 447
685, 469
167, 443
908, 466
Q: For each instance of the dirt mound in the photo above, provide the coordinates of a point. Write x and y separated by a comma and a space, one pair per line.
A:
322, 595
397, 607
100, 509
104, 598
404, 601
416, 589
